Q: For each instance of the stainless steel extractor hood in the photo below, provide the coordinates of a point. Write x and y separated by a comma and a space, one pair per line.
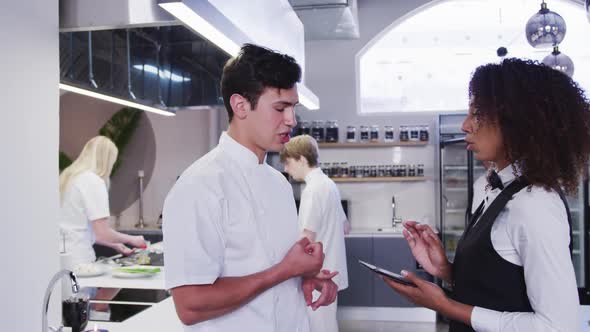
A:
328, 19
134, 51
138, 51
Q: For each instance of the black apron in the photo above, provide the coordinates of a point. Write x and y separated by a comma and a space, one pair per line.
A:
481, 276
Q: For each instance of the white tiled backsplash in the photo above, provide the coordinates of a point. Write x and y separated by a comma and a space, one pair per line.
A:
370, 202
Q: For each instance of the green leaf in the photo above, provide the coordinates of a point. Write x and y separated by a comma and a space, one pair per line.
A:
64, 161
138, 269
120, 129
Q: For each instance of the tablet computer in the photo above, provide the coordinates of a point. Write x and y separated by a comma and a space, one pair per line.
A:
393, 276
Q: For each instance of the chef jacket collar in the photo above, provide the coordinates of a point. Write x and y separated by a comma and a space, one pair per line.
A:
239, 153
313, 174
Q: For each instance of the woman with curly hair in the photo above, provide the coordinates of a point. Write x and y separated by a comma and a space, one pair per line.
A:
512, 269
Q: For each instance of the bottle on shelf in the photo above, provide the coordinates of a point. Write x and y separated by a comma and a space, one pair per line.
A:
374, 133
332, 131
424, 133
388, 134
344, 170
304, 128
404, 135
335, 170
364, 137
318, 131
420, 170
414, 133
411, 170
351, 134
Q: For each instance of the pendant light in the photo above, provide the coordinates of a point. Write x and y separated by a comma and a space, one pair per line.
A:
546, 28
559, 61
588, 9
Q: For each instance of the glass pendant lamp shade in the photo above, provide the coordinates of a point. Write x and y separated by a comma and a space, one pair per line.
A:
545, 28
559, 61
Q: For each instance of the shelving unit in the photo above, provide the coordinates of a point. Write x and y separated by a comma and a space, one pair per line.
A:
371, 144
381, 179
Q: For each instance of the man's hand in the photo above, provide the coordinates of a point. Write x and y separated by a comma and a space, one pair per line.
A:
303, 259
323, 283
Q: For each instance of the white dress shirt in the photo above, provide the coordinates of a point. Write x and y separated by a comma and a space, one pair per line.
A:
228, 216
321, 212
86, 199
532, 231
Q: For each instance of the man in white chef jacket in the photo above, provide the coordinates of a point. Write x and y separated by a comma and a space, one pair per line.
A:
234, 257
321, 218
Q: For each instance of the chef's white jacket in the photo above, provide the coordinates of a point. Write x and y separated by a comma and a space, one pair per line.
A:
228, 216
321, 212
86, 199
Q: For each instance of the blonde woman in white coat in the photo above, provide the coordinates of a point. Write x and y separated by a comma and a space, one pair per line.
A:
84, 213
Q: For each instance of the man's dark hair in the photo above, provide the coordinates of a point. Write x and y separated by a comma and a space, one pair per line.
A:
543, 116
254, 69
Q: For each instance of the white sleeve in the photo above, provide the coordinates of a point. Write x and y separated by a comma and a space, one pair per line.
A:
95, 197
542, 242
193, 239
311, 209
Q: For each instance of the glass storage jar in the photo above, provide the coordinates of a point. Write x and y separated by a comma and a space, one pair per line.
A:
304, 128
351, 134
404, 135
424, 133
364, 134
318, 131
332, 131
374, 133
414, 133
388, 135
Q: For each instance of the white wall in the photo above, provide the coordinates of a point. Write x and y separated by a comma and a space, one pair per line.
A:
331, 74
29, 134
180, 140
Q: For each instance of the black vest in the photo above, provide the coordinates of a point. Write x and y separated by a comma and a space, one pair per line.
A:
481, 276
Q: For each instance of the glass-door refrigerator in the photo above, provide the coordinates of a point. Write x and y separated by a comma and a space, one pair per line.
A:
457, 172
456, 196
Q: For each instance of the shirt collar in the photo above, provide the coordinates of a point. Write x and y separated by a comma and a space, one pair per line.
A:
507, 174
238, 152
314, 173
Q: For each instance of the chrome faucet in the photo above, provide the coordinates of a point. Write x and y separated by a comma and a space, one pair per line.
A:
54, 280
395, 221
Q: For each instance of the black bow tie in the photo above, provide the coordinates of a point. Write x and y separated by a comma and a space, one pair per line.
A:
494, 180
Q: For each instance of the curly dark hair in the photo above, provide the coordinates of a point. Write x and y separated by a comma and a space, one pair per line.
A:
254, 69
544, 118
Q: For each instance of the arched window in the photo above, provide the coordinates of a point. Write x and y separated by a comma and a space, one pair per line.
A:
424, 60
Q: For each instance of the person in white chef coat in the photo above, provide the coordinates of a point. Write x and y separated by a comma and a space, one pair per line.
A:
234, 257
84, 212
321, 218
513, 268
